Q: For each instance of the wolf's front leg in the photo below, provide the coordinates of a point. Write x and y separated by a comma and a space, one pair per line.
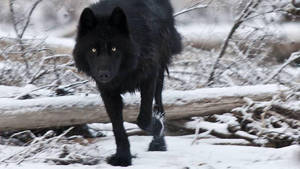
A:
144, 120
114, 105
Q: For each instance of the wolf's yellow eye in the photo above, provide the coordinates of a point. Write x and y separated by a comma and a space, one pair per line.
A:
94, 50
113, 49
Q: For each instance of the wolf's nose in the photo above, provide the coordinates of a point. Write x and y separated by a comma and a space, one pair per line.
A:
104, 76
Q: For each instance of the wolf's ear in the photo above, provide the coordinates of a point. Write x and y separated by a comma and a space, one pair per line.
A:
87, 21
118, 19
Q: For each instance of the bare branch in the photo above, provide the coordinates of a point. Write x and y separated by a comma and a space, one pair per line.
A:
29, 17
192, 8
75, 84
13, 17
247, 11
20, 34
292, 58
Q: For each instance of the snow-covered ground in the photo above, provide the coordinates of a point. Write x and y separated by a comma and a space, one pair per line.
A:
189, 71
205, 154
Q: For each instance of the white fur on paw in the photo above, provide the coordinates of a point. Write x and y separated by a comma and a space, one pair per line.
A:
160, 116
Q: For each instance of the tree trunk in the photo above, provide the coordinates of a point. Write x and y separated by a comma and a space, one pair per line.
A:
81, 109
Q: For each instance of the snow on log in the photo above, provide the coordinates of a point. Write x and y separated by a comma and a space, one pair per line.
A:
80, 109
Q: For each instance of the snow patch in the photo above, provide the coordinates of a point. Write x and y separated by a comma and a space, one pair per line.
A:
181, 155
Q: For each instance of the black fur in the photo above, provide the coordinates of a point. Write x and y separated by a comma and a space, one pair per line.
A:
126, 45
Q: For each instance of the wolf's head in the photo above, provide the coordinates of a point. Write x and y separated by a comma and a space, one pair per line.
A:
104, 47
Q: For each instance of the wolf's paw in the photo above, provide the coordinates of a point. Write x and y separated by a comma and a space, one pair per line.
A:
158, 144
117, 160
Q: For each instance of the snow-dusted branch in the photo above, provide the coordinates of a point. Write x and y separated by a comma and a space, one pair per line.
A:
20, 33
58, 89
292, 58
196, 6
37, 145
246, 12
29, 17
260, 123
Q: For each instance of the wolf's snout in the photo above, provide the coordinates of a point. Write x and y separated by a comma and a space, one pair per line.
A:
104, 76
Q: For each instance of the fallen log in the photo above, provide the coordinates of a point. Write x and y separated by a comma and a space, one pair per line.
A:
81, 109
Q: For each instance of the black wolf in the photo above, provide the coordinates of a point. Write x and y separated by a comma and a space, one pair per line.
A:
126, 46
